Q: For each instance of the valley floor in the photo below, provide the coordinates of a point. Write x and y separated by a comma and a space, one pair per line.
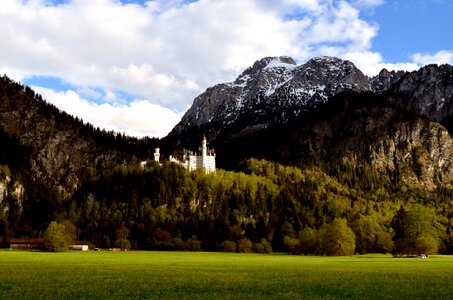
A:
170, 275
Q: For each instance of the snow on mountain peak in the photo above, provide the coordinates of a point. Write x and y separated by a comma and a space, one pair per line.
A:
282, 61
275, 81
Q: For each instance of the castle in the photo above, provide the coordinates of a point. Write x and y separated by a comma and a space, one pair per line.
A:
204, 158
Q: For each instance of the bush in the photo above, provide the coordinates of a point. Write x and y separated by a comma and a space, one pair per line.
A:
228, 246
124, 244
244, 245
309, 241
262, 247
193, 244
384, 243
291, 245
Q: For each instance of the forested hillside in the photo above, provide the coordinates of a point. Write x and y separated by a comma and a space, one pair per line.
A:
289, 209
45, 155
357, 174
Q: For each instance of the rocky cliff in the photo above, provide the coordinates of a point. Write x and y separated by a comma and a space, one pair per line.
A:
428, 92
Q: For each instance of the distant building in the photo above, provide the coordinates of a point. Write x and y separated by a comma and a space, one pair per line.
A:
157, 155
79, 247
156, 158
204, 159
26, 244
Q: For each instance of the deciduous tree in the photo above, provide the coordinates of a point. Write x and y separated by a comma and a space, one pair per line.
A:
339, 239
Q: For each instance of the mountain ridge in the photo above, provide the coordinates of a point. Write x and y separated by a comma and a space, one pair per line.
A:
401, 149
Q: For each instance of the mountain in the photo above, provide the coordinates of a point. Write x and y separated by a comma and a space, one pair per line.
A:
327, 112
427, 92
275, 89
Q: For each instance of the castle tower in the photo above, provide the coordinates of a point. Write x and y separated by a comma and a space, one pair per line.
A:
204, 148
156, 154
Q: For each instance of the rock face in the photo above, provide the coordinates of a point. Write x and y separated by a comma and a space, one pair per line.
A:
274, 85
385, 79
428, 92
420, 151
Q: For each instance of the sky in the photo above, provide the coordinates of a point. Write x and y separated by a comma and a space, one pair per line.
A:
135, 66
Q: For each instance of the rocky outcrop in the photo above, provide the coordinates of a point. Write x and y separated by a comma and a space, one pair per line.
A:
384, 80
421, 152
418, 153
428, 92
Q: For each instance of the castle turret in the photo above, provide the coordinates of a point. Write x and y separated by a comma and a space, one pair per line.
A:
156, 154
204, 148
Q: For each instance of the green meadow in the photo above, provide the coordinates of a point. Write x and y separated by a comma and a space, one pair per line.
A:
179, 275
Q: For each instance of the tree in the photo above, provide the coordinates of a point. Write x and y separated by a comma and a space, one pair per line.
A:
122, 241
426, 244
309, 241
417, 233
291, 245
228, 246
339, 239
244, 245
58, 237
366, 229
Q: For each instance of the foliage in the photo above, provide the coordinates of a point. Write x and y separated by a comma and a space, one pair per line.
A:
165, 207
262, 247
339, 239
244, 246
58, 236
309, 242
228, 246
416, 231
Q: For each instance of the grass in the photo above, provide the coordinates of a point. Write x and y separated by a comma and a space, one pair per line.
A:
185, 275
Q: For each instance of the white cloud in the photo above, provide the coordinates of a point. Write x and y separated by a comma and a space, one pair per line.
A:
441, 57
89, 93
368, 3
170, 51
146, 49
138, 118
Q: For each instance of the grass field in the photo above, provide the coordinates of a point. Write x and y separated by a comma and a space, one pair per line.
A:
140, 275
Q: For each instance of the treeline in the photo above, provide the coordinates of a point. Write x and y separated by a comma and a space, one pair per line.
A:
267, 207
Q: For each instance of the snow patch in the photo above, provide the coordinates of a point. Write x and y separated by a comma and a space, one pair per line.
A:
245, 80
275, 63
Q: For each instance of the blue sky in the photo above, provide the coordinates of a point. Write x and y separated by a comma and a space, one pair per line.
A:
136, 66
412, 26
